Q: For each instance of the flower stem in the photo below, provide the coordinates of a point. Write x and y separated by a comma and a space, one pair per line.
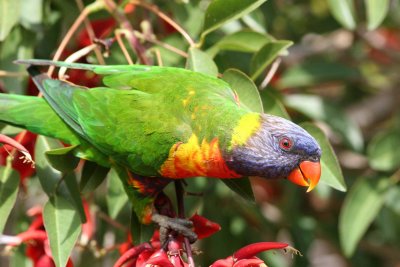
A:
181, 214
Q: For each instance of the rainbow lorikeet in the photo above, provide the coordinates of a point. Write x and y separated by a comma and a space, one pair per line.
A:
152, 123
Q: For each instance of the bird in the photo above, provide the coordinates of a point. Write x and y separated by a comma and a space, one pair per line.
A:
159, 124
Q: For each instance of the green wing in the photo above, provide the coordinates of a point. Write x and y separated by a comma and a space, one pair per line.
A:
34, 114
144, 112
134, 128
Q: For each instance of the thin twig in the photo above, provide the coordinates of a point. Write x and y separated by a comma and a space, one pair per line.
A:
158, 56
118, 34
91, 34
167, 19
126, 25
110, 221
181, 214
162, 44
75, 57
271, 73
4, 73
86, 11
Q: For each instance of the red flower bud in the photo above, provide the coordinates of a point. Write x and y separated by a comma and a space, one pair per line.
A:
228, 262
204, 227
253, 249
254, 262
159, 258
132, 253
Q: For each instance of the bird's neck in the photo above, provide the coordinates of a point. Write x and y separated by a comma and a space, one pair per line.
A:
196, 158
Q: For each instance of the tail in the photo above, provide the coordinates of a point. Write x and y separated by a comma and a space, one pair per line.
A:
35, 115
63, 91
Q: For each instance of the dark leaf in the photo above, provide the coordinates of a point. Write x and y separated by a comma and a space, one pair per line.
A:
9, 183
272, 105
116, 195
384, 152
241, 186
63, 159
362, 204
266, 55
92, 176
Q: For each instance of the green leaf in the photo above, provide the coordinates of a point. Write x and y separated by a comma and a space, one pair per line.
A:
361, 205
116, 195
316, 71
19, 259
316, 108
200, 61
383, 151
220, 12
242, 41
331, 172
343, 12
92, 176
9, 183
245, 88
272, 105
9, 16
49, 178
74, 194
31, 13
140, 232
266, 55
63, 159
241, 186
63, 227
11, 130
54, 181
376, 12
18, 44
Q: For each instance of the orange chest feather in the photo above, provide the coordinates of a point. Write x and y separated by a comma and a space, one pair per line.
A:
193, 159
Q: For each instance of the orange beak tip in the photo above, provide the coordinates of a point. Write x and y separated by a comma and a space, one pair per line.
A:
307, 174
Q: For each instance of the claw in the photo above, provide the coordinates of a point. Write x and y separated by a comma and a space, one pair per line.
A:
177, 225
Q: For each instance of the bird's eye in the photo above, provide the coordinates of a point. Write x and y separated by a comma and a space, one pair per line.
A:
285, 143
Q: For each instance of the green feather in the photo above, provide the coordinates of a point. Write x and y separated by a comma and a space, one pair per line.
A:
132, 123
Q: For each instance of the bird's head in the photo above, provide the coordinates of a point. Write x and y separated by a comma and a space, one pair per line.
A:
278, 149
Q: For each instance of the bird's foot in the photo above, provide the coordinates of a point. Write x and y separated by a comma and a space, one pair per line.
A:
174, 226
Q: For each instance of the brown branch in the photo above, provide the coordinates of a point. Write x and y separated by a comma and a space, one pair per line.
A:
110, 221
271, 73
126, 25
91, 34
167, 19
162, 44
4, 73
75, 57
86, 11
118, 34
158, 56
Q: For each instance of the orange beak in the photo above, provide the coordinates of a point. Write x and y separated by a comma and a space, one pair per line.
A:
307, 174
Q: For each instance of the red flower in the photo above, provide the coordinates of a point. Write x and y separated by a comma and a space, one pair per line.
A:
38, 248
24, 142
246, 256
101, 28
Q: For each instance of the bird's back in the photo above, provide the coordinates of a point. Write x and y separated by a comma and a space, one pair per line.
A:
160, 122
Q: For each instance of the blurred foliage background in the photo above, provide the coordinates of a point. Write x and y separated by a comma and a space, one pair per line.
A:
341, 72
